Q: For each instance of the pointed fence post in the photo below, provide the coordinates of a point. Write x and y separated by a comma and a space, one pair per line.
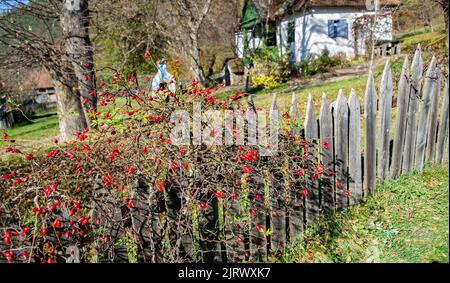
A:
311, 136
430, 151
277, 190
326, 157
354, 150
384, 125
411, 120
341, 151
424, 112
443, 126
370, 117
296, 209
256, 195
400, 120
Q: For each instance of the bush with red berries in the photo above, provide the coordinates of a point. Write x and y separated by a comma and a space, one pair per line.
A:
46, 201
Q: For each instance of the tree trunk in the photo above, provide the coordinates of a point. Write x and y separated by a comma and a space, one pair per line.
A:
194, 52
446, 27
75, 25
70, 110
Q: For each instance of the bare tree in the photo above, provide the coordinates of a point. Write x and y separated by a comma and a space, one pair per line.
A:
186, 18
78, 47
445, 5
58, 53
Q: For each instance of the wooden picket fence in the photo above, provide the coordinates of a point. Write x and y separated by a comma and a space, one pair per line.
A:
168, 229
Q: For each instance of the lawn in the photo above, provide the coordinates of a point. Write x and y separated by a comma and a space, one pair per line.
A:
41, 127
407, 220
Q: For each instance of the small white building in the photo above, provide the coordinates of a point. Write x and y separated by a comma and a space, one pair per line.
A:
308, 27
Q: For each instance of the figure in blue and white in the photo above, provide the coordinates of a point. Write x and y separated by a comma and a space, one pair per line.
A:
162, 78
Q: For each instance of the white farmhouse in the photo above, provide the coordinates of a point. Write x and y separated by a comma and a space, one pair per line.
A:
307, 27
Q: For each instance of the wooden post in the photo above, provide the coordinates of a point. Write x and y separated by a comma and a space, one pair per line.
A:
411, 121
277, 190
295, 209
178, 216
145, 220
234, 219
370, 116
384, 126
354, 151
110, 217
208, 224
341, 151
140, 218
399, 48
400, 120
443, 126
384, 50
424, 111
255, 184
430, 151
326, 157
295, 116
311, 136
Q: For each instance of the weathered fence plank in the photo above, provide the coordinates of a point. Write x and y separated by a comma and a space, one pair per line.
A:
140, 213
354, 150
277, 191
424, 112
384, 125
443, 126
411, 120
256, 196
258, 241
295, 116
142, 219
312, 203
234, 221
341, 151
430, 151
296, 207
208, 223
178, 217
109, 226
370, 116
400, 120
55, 235
326, 157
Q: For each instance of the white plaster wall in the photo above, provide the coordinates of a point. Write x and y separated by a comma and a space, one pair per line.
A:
311, 32
253, 43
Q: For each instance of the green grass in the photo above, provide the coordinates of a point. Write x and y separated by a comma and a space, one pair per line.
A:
437, 28
43, 126
407, 220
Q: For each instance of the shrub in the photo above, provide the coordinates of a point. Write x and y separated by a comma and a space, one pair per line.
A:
319, 64
47, 202
270, 68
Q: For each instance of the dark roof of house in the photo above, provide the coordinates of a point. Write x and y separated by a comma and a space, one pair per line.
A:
37, 79
280, 8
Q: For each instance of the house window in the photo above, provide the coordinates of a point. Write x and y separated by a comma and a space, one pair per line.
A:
291, 32
271, 36
337, 28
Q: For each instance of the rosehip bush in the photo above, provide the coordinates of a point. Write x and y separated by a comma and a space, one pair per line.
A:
46, 200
